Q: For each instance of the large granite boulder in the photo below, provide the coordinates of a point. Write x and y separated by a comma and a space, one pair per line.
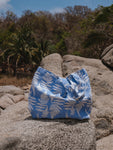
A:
101, 79
11, 89
107, 56
53, 63
19, 131
6, 101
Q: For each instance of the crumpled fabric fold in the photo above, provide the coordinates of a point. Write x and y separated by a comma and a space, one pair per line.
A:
54, 97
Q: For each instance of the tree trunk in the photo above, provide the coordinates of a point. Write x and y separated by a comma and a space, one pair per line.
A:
14, 70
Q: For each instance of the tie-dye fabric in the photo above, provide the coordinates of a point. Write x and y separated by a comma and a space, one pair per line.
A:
53, 97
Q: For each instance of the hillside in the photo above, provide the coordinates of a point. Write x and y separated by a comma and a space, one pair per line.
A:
25, 40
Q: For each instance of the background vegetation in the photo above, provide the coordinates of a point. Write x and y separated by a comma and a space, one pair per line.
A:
24, 41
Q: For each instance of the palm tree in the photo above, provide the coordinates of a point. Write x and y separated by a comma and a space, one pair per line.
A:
43, 47
22, 49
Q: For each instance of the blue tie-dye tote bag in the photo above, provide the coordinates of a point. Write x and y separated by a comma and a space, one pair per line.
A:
53, 97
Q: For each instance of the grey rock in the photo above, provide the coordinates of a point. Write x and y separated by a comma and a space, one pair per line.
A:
107, 56
17, 98
101, 79
26, 96
107, 49
53, 63
11, 89
15, 112
19, 131
105, 143
6, 101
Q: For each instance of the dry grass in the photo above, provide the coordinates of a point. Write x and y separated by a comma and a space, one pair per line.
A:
8, 80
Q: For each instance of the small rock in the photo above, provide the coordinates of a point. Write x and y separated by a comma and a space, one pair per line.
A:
105, 143
11, 89
101, 124
5, 101
107, 56
18, 98
26, 96
27, 87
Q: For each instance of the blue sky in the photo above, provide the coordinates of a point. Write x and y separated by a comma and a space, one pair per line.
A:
18, 6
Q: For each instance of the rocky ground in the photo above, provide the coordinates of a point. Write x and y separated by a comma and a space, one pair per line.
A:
20, 131
101, 79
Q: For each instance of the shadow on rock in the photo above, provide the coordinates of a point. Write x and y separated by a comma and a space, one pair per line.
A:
64, 120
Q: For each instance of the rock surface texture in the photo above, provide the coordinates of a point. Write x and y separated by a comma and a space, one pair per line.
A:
107, 56
101, 79
11, 89
19, 131
105, 143
10, 95
53, 63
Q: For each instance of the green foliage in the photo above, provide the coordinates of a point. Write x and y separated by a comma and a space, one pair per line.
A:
26, 40
102, 16
61, 44
98, 31
77, 53
94, 38
61, 47
21, 48
52, 48
43, 47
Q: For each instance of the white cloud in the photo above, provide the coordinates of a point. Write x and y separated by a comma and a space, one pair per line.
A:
57, 10
4, 4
